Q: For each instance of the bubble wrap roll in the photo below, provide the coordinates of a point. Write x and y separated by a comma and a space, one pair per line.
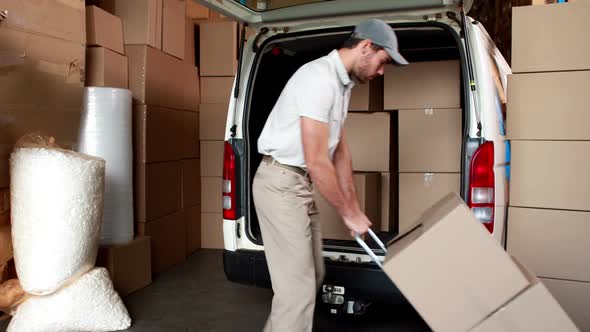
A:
88, 304
56, 203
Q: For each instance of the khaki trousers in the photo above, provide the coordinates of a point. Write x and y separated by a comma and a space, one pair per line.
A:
292, 244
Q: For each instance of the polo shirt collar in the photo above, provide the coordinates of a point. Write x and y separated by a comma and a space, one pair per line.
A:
340, 69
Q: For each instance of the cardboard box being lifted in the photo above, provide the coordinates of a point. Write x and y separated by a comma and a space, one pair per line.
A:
451, 270
423, 85
368, 189
548, 106
574, 297
534, 309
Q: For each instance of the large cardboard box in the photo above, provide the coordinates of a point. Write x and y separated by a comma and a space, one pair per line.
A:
104, 29
574, 297
548, 106
160, 133
211, 201
168, 240
367, 97
196, 11
193, 229
212, 230
106, 68
5, 244
534, 309
142, 20
450, 264
216, 89
40, 71
421, 85
158, 190
212, 158
219, 42
64, 19
531, 49
189, 43
553, 243
129, 264
418, 191
159, 79
212, 121
430, 140
368, 189
371, 140
550, 174
173, 27
190, 143
191, 183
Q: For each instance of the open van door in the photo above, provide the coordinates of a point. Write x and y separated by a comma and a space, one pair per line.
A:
260, 12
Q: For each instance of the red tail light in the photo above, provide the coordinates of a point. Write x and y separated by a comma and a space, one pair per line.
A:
229, 182
481, 185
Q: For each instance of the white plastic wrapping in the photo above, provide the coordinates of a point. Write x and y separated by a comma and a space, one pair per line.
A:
56, 204
106, 132
89, 304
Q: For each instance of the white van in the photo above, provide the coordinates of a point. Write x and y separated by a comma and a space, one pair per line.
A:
291, 33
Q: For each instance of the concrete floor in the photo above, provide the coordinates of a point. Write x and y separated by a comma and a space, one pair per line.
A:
195, 296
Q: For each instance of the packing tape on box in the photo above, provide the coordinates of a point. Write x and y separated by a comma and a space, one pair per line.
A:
106, 132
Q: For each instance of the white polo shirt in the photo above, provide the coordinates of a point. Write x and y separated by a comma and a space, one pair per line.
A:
319, 90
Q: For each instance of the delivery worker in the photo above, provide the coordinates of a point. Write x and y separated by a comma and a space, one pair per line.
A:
303, 142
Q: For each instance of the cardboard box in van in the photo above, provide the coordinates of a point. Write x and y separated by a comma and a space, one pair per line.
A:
104, 29
211, 201
389, 187
219, 43
370, 139
173, 27
430, 140
212, 158
550, 174
574, 297
418, 191
191, 183
534, 309
105, 68
157, 190
193, 228
537, 49
548, 106
368, 189
421, 85
212, 121
216, 90
367, 97
561, 253
450, 269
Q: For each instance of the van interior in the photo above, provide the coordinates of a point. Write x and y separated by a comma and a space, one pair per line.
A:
280, 57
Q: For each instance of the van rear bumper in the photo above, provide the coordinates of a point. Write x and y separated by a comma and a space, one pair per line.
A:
361, 281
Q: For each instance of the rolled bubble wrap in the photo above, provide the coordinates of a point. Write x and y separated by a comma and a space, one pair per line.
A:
88, 304
56, 204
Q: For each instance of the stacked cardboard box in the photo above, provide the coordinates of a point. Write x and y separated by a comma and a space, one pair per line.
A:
549, 211
425, 97
107, 66
217, 55
41, 85
165, 91
491, 290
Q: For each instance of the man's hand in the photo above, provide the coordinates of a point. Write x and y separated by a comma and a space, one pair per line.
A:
358, 224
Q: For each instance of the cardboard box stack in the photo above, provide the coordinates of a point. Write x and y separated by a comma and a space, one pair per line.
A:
129, 264
41, 85
549, 210
491, 290
425, 98
165, 91
216, 46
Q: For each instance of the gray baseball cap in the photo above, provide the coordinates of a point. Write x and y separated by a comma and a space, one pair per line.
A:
381, 35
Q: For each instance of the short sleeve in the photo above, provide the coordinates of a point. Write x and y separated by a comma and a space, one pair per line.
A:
314, 95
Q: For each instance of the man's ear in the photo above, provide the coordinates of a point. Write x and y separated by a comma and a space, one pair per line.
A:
365, 45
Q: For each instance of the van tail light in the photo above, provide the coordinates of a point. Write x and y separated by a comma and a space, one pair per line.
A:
481, 185
229, 182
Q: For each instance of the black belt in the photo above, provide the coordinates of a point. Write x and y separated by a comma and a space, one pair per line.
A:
299, 170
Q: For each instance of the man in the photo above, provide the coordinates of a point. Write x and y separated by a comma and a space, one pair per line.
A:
303, 141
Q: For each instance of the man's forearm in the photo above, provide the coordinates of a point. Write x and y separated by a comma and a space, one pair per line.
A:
343, 165
325, 179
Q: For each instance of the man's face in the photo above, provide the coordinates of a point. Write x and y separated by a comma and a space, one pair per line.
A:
371, 63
